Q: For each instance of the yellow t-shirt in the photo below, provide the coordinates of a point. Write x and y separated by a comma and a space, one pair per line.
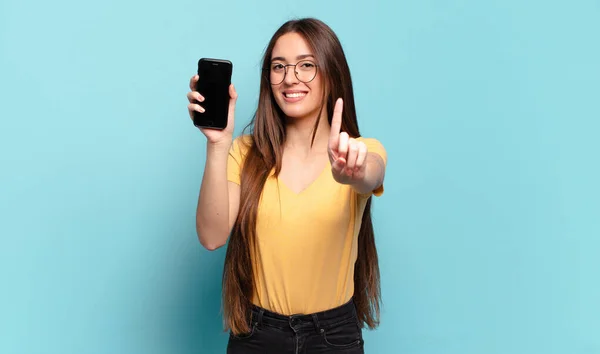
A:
306, 242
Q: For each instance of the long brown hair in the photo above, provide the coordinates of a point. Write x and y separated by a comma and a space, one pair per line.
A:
265, 151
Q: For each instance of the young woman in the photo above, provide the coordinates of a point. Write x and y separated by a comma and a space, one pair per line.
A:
293, 197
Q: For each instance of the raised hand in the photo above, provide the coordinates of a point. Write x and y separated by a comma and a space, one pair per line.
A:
213, 136
348, 156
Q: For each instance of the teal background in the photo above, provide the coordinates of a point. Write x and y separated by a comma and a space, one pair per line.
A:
488, 232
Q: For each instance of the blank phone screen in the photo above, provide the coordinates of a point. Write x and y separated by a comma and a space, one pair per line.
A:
213, 84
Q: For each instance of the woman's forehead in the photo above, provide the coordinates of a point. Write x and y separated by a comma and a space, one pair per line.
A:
291, 46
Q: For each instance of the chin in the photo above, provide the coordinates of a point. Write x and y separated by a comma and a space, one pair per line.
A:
297, 110
296, 113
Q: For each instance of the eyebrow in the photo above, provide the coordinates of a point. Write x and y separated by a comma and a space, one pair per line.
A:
299, 57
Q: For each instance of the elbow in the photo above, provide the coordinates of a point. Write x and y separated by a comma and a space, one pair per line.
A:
210, 245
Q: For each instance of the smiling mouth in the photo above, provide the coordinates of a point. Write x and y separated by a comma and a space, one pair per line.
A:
294, 94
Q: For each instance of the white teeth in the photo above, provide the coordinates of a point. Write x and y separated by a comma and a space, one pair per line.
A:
295, 94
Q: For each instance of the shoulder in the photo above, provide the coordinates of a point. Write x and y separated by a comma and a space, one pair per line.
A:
243, 141
374, 146
237, 154
240, 146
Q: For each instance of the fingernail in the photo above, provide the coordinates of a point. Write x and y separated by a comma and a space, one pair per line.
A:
201, 109
201, 99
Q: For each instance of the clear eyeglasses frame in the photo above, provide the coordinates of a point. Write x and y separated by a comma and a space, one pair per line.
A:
305, 71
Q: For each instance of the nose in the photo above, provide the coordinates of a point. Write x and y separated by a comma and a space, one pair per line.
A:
290, 75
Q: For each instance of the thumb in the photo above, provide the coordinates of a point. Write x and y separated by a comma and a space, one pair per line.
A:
232, 96
232, 100
339, 165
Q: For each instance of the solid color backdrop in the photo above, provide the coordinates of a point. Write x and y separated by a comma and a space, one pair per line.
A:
488, 232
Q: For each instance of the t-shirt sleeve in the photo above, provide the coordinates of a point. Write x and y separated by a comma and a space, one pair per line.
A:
375, 146
235, 160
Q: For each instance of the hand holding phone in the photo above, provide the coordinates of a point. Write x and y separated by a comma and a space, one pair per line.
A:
212, 99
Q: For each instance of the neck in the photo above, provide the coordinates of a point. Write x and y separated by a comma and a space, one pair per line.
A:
299, 132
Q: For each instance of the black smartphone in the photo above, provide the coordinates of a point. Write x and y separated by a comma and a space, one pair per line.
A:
213, 84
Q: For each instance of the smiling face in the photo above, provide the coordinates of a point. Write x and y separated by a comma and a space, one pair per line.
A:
300, 93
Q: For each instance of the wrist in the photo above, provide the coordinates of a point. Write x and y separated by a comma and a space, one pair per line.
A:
360, 186
222, 146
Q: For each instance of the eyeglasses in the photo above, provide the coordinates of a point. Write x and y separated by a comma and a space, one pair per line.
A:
304, 70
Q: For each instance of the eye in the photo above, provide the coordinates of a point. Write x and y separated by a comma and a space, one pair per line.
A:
277, 67
307, 66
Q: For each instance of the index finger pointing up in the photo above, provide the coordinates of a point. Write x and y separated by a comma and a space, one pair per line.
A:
336, 122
